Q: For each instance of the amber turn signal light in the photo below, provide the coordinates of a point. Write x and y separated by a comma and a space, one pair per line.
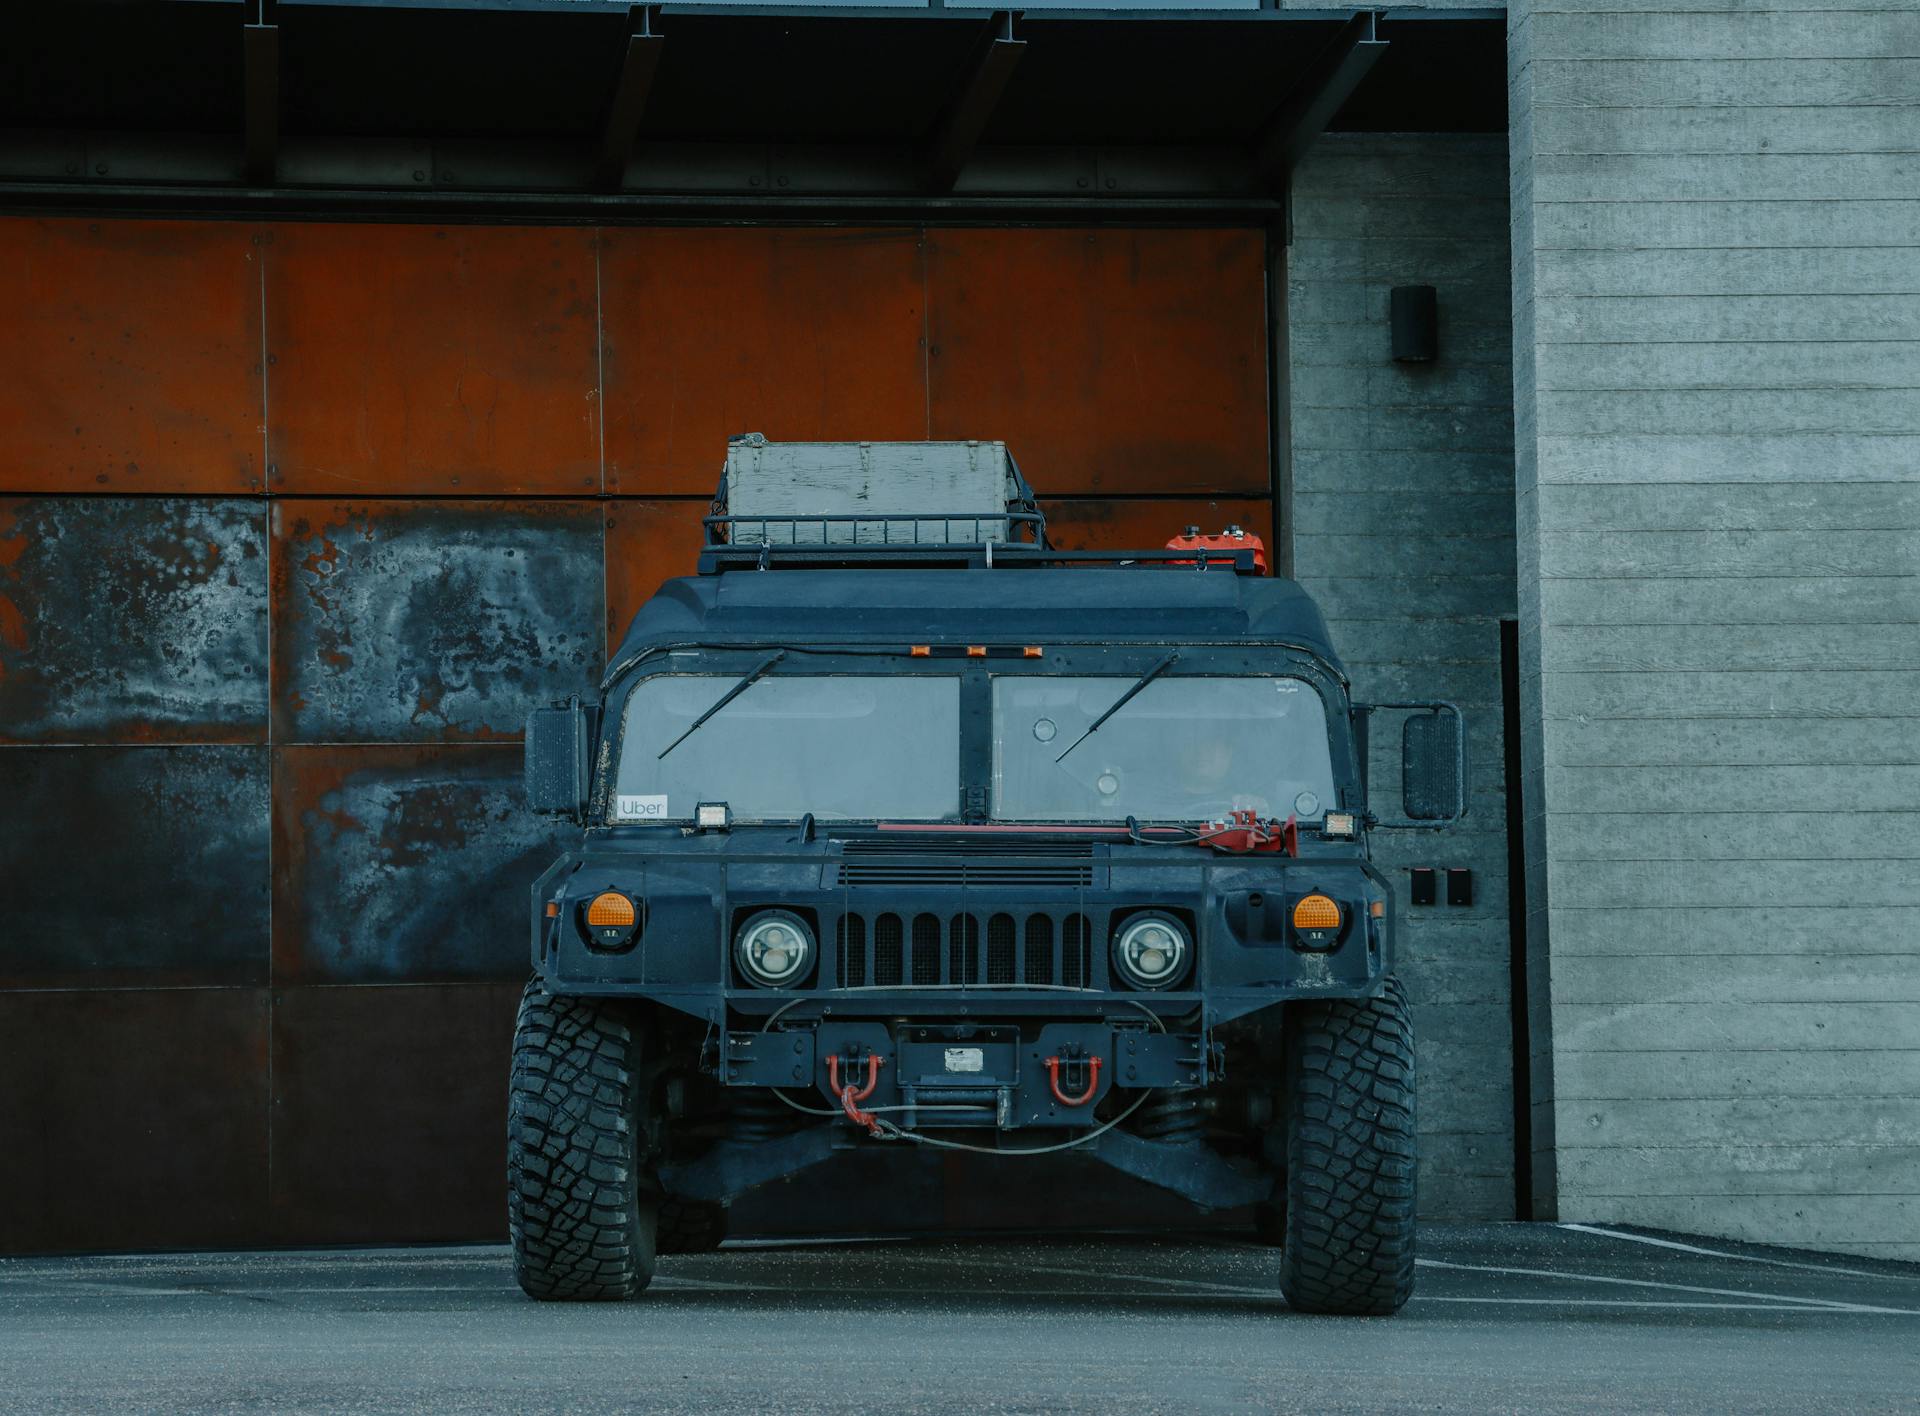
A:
1316, 912
612, 909
611, 921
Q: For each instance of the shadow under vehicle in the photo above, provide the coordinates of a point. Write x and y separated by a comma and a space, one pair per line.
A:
908, 829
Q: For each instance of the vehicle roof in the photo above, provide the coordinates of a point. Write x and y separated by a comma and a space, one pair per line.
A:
1029, 605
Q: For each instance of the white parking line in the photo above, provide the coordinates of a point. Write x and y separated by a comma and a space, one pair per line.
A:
1757, 1302
1716, 1253
1794, 1300
1423, 1298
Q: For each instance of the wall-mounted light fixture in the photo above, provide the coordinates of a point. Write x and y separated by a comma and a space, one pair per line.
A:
1415, 316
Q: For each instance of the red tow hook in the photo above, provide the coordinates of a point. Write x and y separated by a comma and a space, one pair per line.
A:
849, 1097
1093, 1082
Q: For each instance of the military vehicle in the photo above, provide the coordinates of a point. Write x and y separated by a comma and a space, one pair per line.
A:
904, 828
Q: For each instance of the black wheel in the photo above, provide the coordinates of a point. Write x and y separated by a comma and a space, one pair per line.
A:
580, 1212
1350, 1156
690, 1226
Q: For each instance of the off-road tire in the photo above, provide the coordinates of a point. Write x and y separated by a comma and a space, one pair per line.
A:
690, 1226
580, 1211
1350, 1155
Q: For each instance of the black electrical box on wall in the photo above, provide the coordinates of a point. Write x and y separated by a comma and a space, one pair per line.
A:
1423, 885
1459, 886
1414, 311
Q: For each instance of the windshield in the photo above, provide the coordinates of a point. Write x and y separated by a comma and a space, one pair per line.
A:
845, 748
1184, 749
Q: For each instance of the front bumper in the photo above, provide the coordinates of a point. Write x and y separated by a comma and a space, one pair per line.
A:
943, 941
932, 1075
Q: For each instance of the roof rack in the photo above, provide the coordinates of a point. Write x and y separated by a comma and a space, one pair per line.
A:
716, 557
1014, 535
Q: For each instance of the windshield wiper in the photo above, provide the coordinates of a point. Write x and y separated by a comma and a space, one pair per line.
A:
1148, 677
739, 688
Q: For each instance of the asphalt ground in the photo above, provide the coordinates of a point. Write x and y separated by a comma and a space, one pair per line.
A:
1522, 1318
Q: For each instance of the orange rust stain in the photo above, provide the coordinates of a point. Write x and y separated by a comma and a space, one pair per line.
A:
647, 542
412, 359
13, 625
798, 334
1111, 525
1110, 361
132, 355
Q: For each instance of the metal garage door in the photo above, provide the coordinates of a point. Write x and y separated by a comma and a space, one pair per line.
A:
301, 519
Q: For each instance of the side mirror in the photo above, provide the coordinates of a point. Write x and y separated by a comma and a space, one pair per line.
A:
560, 758
1433, 766
1433, 763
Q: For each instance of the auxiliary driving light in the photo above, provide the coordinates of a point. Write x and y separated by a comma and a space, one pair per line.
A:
1340, 826
712, 816
774, 948
1151, 951
611, 919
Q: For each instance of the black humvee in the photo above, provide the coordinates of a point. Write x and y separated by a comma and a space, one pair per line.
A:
966, 842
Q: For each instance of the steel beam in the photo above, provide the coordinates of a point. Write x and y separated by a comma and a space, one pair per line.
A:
629, 103
1310, 104
260, 49
171, 165
966, 118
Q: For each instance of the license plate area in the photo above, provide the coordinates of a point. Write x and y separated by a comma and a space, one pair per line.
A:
962, 1057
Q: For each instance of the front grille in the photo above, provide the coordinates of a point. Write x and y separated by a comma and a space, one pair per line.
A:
889, 950
867, 861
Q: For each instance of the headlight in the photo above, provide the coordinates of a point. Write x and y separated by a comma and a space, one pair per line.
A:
1151, 951
773, 948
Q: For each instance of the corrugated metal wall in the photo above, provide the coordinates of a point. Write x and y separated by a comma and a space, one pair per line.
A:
298, 521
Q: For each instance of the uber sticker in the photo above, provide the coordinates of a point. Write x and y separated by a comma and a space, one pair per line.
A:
639, 808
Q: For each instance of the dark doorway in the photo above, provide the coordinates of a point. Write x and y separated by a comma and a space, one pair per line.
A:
1517, 922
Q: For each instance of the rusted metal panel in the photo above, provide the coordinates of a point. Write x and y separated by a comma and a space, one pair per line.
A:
432, 359
804, 335
133, 1119
403, 863
647, 542
140, 866
430, 620
390, 1105
1106, 525
1110, 361
133, 620
131, 360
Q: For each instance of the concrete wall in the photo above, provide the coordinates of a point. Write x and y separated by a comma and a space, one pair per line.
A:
1717, 330
1402, 525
